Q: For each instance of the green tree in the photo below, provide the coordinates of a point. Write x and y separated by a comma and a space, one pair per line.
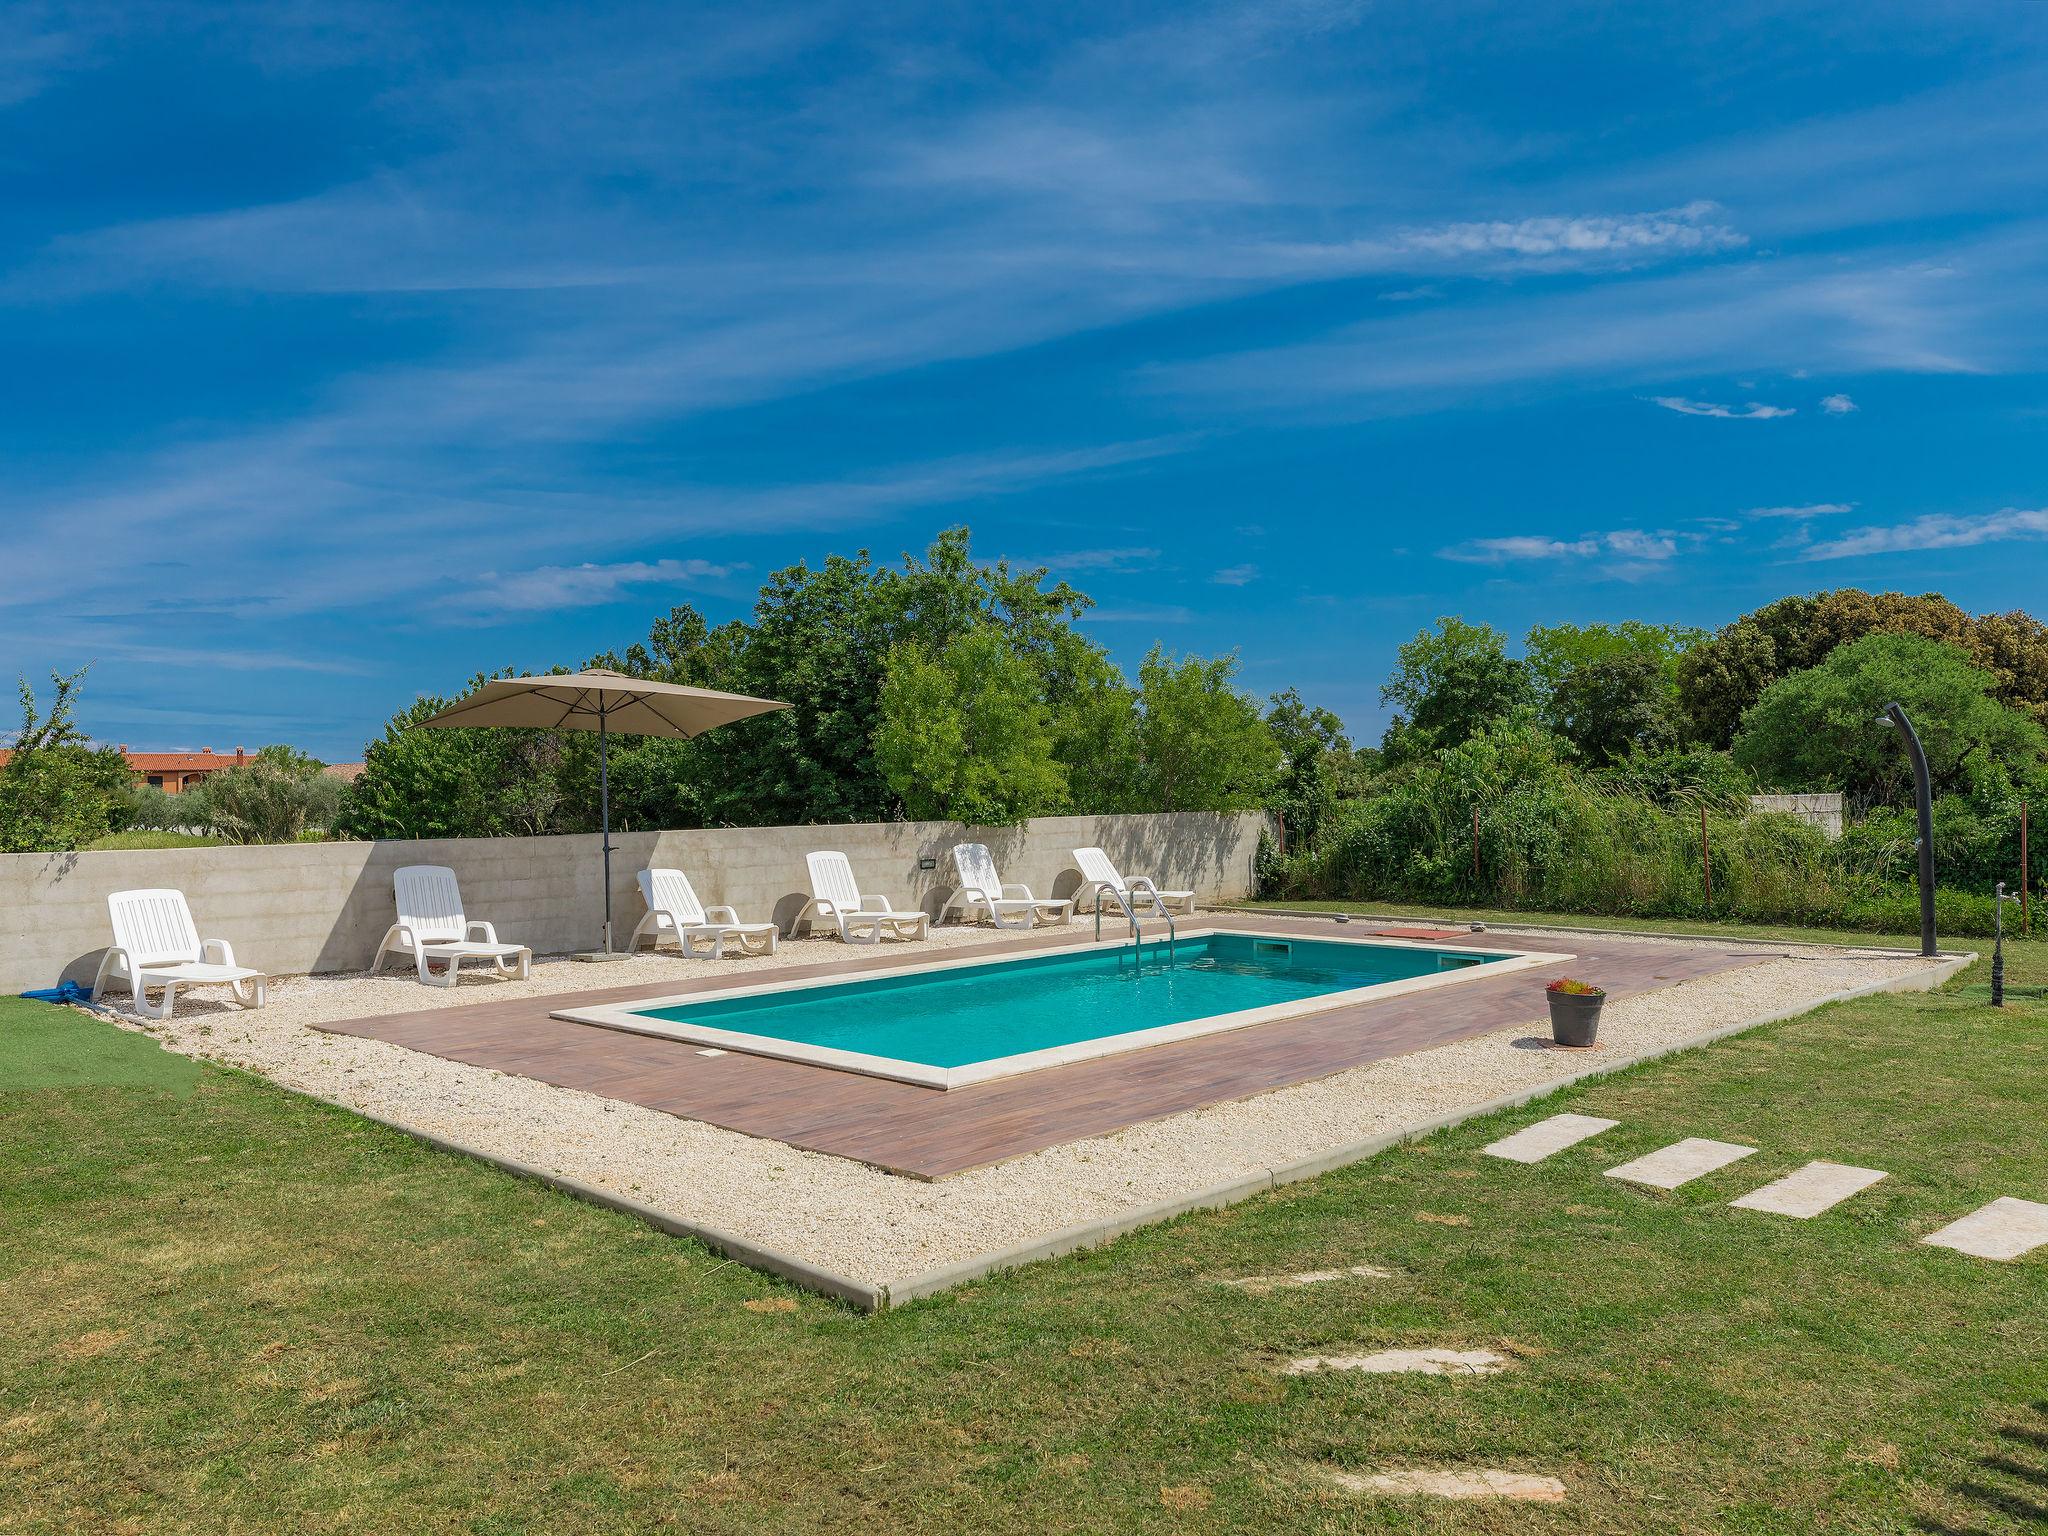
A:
1724, 675
1818, 729
966, 734
58, 791
2013, 647
1316, 764
820, 640
1555, 651
1449, 683
1613, 706
1203, 745
1096, 737
448, 783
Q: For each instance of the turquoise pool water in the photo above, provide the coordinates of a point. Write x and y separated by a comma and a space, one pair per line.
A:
952, 1018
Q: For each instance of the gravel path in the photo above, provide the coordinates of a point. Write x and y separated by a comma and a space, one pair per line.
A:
876, 1227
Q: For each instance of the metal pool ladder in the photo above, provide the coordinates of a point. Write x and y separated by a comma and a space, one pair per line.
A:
1137, 934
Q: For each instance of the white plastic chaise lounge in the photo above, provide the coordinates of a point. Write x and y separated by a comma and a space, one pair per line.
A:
673, 907
984, 893
1140, 892
836, 897
431, 926
156, 945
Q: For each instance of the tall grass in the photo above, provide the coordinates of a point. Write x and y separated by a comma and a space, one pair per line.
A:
1562, 841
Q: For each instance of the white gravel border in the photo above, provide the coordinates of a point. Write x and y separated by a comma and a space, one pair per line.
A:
873, 1237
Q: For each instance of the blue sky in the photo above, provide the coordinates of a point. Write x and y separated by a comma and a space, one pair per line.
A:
352, 349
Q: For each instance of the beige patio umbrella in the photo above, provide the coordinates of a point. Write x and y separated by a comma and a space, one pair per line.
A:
603, 701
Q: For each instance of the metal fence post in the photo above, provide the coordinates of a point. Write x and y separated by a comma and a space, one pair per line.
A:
1707, 858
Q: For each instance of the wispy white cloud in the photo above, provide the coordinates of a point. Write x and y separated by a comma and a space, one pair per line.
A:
1810, 509
1235, 576
354, 505
1755, 410
1131, 558
1548, 241
67, 641
1672, 230
1162, 613
1620, 554
1940, 530
1520, 547
1837, 405
1634, 331
549, 588
1634, 544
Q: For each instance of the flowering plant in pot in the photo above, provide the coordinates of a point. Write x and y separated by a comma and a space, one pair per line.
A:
1574, 1011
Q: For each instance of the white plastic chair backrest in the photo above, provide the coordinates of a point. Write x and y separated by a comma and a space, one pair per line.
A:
1095, 866
832, 880
669, 890
977, 868
155, 927
429, 902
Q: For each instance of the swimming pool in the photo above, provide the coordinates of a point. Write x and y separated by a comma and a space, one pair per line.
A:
951, 1023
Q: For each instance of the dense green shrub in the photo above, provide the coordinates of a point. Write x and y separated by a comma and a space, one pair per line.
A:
1819, 729
1554, 837
149, 809
276, 797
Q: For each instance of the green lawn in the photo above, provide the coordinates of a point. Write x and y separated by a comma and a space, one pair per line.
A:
143, 838
230, 1309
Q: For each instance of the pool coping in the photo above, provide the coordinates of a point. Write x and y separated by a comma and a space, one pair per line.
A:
632, 1017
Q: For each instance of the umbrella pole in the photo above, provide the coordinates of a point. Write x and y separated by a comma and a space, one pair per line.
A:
604, 804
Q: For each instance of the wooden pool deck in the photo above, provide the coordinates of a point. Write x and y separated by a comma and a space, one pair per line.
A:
930, 1133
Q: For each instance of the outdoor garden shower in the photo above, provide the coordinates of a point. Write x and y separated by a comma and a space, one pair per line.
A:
1924, 794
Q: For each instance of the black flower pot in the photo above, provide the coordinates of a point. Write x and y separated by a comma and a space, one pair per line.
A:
1575, 1017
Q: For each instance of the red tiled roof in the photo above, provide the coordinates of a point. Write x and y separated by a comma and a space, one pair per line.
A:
179, 762
204, 761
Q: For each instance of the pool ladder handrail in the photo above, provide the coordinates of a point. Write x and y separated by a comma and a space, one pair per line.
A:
1137, 933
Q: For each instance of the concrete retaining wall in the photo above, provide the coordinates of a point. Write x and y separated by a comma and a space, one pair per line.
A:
1823, 811
305, 907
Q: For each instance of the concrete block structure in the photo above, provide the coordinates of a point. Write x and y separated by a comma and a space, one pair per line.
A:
1819, 810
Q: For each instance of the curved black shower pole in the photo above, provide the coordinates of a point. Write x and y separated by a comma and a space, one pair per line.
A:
1895, 716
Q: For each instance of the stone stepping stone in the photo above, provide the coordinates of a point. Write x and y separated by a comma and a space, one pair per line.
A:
1533, 1143
1806, 1192
1259, 1285
1389, 1362
2004, 1229
1680, 1163
1476, 1483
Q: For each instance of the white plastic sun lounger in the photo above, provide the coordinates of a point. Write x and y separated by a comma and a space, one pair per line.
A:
673, 907
431, 926
1140, 892
836, 897
156, 945
984, 893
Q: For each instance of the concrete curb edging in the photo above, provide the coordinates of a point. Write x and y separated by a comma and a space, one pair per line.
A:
868, 1297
